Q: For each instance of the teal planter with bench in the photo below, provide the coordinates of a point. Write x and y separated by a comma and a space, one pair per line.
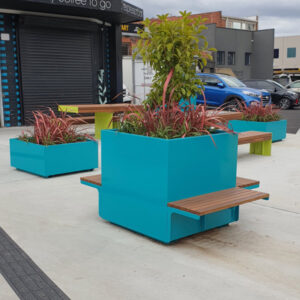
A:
53, 160
141, 175
277, 128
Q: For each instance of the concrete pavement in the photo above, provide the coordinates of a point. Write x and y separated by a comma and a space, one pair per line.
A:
55, 221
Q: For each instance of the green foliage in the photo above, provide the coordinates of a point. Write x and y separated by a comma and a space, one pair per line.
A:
174, 45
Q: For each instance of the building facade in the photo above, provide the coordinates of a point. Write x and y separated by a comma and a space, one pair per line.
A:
60, 52
287, 54
242, 50
243, 53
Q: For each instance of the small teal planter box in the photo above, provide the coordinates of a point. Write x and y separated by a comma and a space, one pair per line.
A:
278, 128
140, 175
53, 160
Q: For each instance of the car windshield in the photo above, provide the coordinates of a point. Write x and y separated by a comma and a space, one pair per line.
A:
232, 81
278, 85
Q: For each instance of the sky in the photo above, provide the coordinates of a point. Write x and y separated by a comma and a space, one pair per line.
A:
284, 16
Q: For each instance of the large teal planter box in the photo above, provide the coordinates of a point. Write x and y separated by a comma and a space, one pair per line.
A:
278, 128
140, 175
53, 160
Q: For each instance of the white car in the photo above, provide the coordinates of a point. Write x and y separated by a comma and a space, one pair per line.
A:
294, 86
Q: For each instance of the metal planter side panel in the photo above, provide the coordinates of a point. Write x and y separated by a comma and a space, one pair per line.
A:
200, 165
27, 157
134, 183
73, 157
278, 128
53, 160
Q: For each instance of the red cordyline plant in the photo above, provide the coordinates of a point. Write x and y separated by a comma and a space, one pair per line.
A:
52, 130
256, 111
173, 120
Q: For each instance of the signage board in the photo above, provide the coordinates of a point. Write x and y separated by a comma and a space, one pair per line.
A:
131, 28
104, 5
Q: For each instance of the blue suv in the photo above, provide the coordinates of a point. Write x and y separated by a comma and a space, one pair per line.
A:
220, 89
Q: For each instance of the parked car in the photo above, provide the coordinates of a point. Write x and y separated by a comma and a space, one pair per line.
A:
280, 95
224, 89
294, 86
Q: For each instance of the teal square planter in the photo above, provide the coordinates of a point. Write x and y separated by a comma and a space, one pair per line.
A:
278, 128
140, 175
53, 160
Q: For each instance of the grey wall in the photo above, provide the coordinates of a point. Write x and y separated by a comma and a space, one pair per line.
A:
238, 41
259, 43
263, 47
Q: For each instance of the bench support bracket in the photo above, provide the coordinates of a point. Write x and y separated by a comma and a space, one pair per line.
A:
261, 148
103, 120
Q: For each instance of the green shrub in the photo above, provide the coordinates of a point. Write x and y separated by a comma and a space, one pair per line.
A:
175, 45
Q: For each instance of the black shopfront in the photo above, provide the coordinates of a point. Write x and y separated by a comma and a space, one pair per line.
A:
60, 52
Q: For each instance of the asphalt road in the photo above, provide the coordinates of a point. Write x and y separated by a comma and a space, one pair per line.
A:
293, 119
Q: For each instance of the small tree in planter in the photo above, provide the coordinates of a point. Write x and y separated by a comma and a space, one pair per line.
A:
174, 47
165, 152
53, 147
258, 117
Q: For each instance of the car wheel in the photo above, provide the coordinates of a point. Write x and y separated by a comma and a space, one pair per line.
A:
232, 105
285, 103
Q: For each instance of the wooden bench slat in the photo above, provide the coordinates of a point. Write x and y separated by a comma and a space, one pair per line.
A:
253, 137
245, 182
94, 179
240, 182
88, 119
213, 202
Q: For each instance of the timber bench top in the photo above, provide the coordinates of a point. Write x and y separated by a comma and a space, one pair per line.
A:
94, 179
95, 108
122, 107
240, 182
245, 182
213, 202
228, 115
254, 137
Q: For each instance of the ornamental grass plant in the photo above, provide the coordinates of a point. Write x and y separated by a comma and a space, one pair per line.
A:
257, 112
49, 129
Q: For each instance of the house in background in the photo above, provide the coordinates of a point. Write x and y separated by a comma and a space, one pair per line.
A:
287, 57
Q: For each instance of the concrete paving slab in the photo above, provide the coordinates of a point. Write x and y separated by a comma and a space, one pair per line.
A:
56, 222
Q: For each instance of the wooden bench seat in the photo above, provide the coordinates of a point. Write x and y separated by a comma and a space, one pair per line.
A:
248, 137
245, 182
94, 179
213, 202
240, 182
260, 142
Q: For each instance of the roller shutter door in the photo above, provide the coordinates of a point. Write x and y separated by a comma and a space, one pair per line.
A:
60, 60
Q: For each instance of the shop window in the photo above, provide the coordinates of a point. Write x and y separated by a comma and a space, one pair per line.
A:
231, 58
276, 53
221, 57
291, 52
247, 58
